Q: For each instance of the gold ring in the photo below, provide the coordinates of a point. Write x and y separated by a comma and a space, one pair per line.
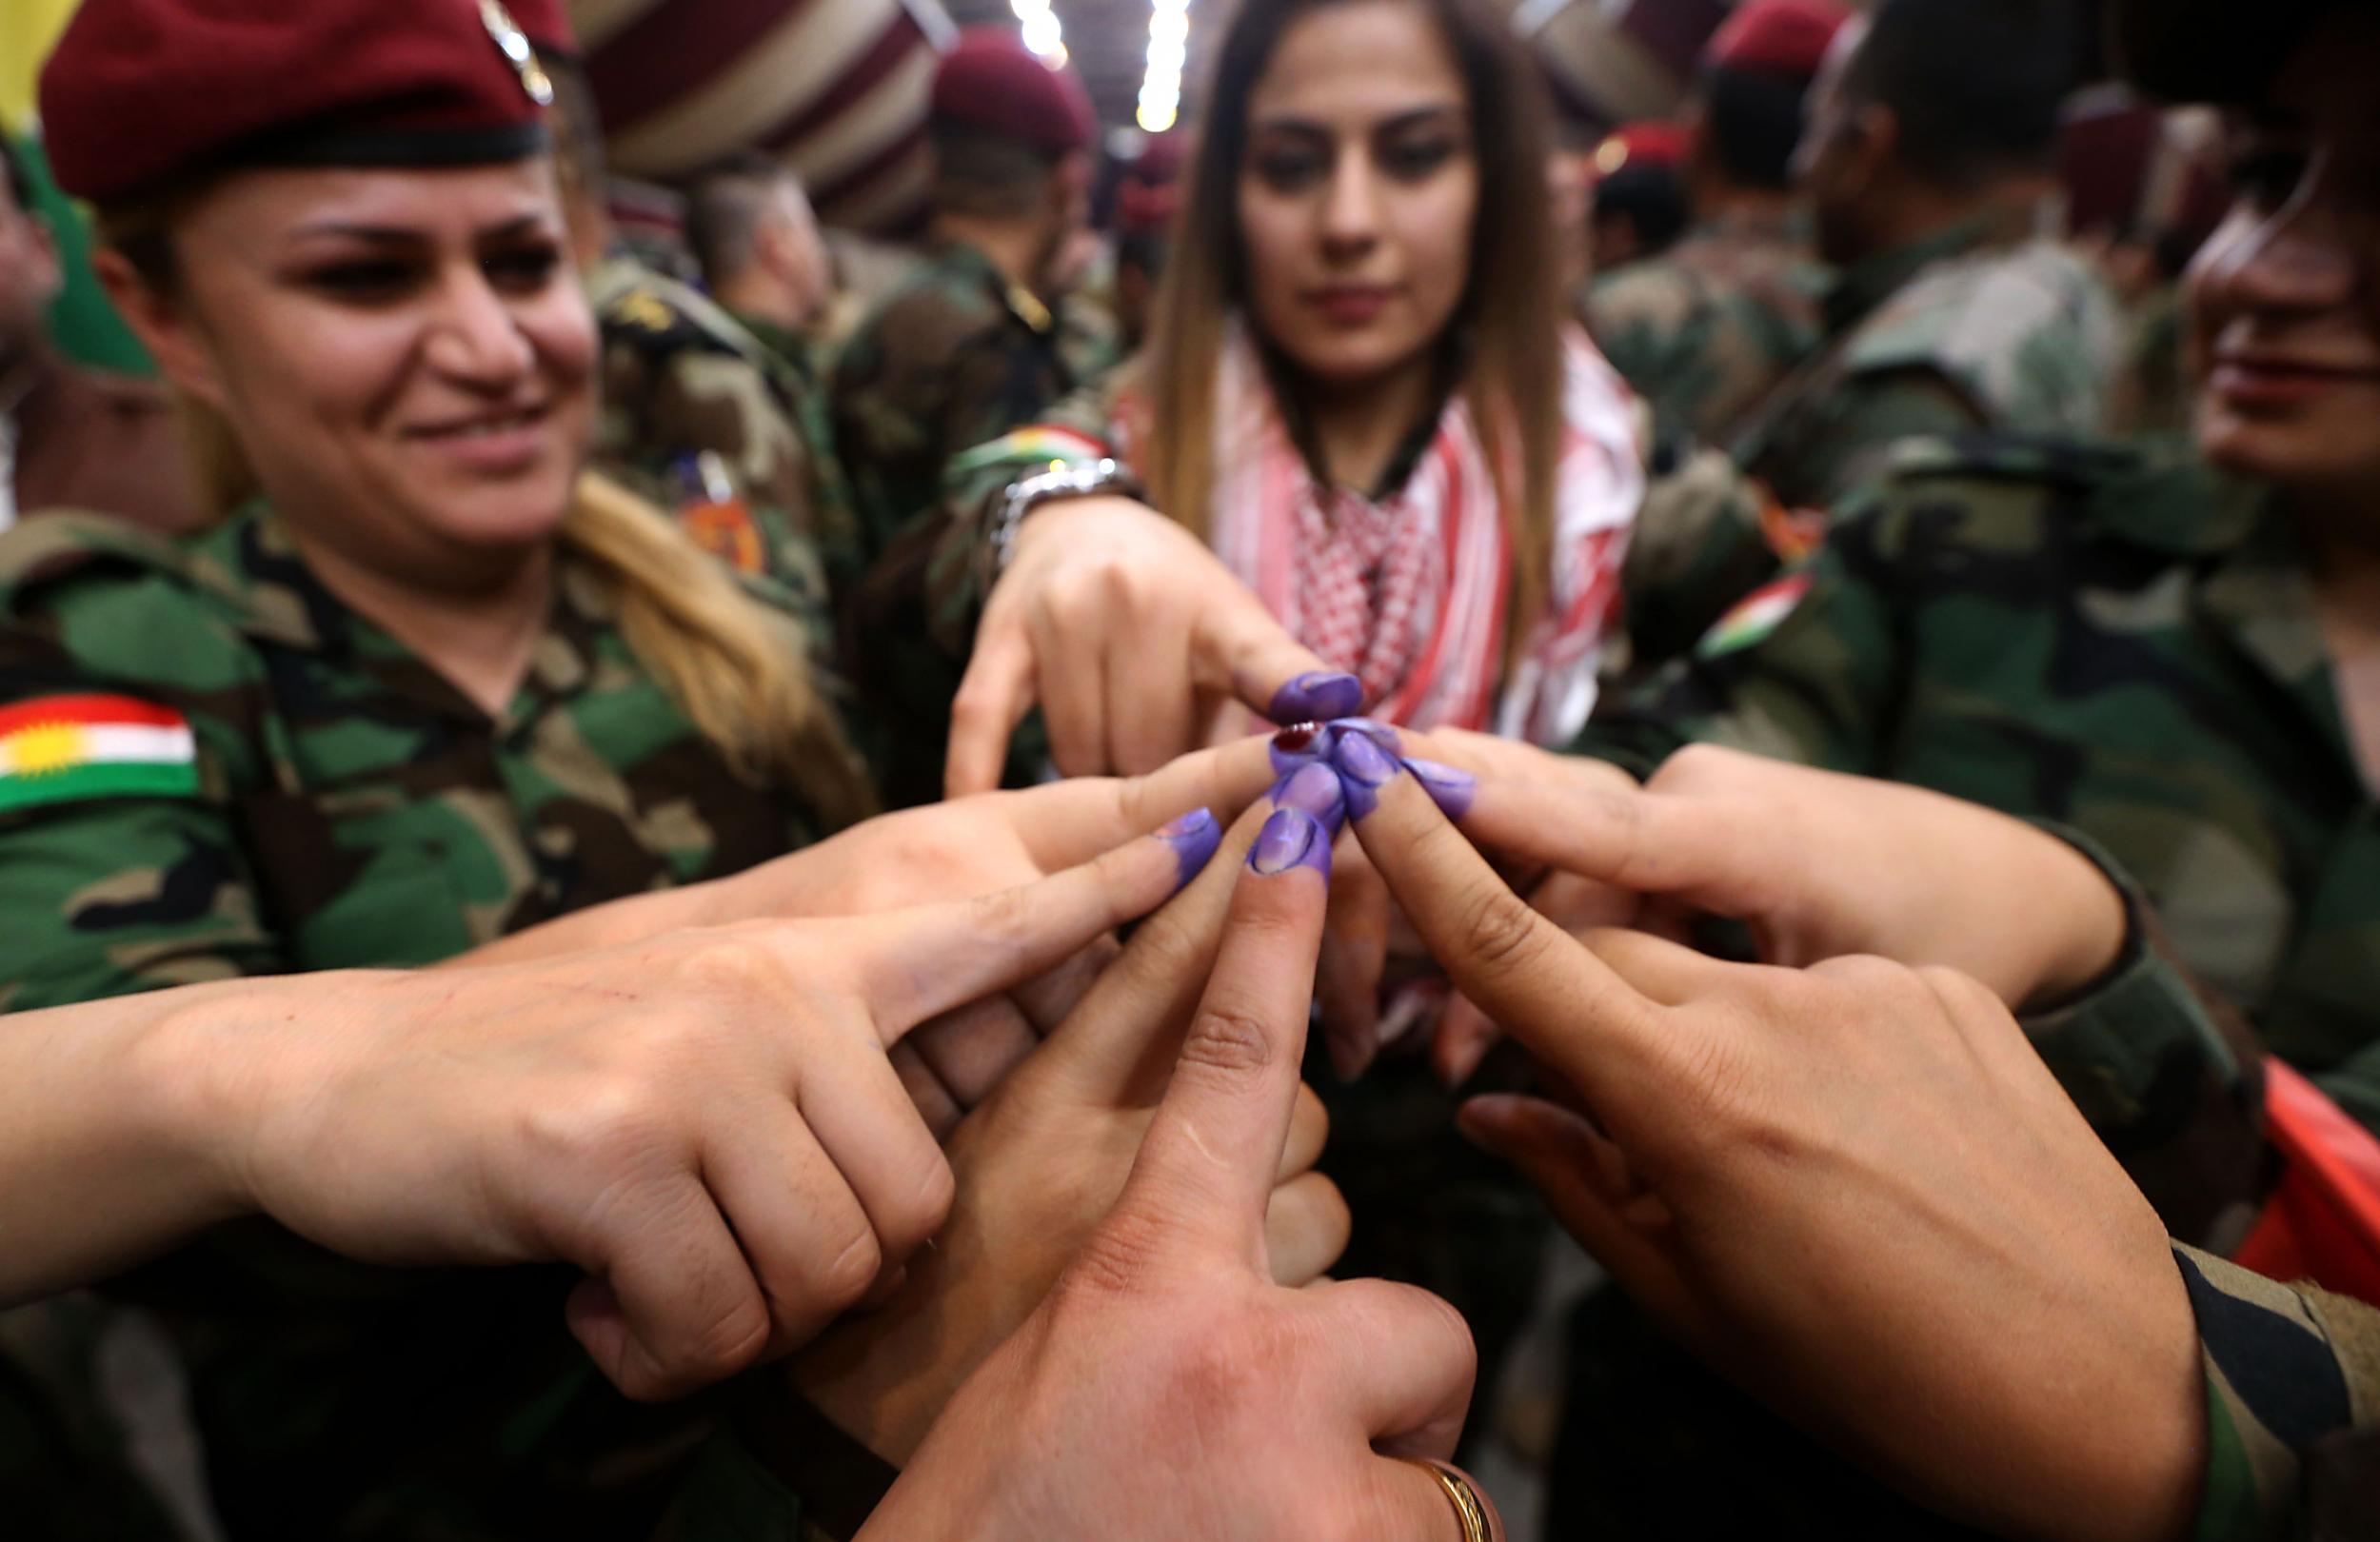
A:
1470, 1507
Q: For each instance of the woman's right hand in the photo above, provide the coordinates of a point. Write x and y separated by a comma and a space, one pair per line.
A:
1854, 1187
1816, 864
1130, 634
707, 1123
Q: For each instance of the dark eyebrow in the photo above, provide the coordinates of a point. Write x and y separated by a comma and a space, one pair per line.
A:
1412, 117
398, 235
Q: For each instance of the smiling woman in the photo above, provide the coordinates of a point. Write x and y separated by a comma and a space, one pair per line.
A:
424, 693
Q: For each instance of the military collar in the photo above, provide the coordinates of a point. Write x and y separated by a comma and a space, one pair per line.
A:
2167, 499
1019, 300
1867, 284
250, 560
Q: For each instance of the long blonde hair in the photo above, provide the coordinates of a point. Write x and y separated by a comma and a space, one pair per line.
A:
740, 672
1508, 319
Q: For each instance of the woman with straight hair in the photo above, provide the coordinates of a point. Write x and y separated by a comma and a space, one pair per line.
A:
1358, 439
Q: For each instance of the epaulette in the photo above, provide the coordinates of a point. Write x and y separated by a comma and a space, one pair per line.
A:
52, 547
1958, 316
2002, 456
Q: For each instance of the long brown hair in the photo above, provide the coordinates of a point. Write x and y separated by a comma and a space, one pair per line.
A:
740, 672
1508, 318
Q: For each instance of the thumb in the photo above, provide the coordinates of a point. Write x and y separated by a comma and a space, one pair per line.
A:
1199, 1189
915, 964
1117, 1048
1238, 647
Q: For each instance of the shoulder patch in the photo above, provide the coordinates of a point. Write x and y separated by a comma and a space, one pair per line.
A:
56, 749
1755, 617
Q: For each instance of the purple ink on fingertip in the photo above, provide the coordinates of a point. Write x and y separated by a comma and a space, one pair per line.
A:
1364, 768
1450, 789
1315, 789
1291, 839
1194, 838
1319, 695
1382, 734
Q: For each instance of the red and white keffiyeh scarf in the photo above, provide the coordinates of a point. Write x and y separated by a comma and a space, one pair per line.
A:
1410, 594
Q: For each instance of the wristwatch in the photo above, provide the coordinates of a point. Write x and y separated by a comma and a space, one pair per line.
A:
1087, 479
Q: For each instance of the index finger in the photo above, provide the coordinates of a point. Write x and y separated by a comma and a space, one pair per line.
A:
1066, 822
1212, 1154
915, 964
1242, 649
1526, 973
994, 696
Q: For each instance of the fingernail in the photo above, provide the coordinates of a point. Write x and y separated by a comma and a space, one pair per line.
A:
1291, 839
1300, 743
1382, 734
1317, 697
1314, 788
1347, 1059
1194, 838
1365, 768
1450, 789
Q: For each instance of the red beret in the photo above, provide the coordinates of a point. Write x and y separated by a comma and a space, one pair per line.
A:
140, 93
1784, 37
547, 26
991, 80
1641, 146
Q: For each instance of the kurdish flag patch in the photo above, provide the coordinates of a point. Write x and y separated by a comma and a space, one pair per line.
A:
57, 748
1755, 617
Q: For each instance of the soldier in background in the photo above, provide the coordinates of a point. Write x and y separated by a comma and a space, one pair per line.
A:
71, 437
757, 238
700, 416
1707, 329
1930, 150
1637, 205
972, 345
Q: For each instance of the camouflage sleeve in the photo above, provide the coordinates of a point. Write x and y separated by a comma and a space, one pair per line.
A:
1805, 669
2292, 1377
1073, 431
2167, 1072
114, 885
1873, 413
910, 625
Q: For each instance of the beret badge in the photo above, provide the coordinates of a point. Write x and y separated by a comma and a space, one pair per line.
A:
514, 45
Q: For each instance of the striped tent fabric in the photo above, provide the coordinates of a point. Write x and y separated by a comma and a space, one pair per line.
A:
1611, 62
836, 88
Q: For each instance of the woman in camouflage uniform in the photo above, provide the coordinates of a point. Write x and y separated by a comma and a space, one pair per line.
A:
424, 695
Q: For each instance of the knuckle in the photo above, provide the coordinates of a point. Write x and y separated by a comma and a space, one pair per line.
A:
851, 1268
728, 1343
1229, 1040
1496, 929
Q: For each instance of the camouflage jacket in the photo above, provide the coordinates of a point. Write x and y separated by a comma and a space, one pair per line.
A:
2292, 1407
705, 417
1706, 331
2113, 640
347, 807
1949, 335
953, 358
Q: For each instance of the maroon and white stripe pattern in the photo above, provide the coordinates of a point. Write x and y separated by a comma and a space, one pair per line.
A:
836, 88
1609, 61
